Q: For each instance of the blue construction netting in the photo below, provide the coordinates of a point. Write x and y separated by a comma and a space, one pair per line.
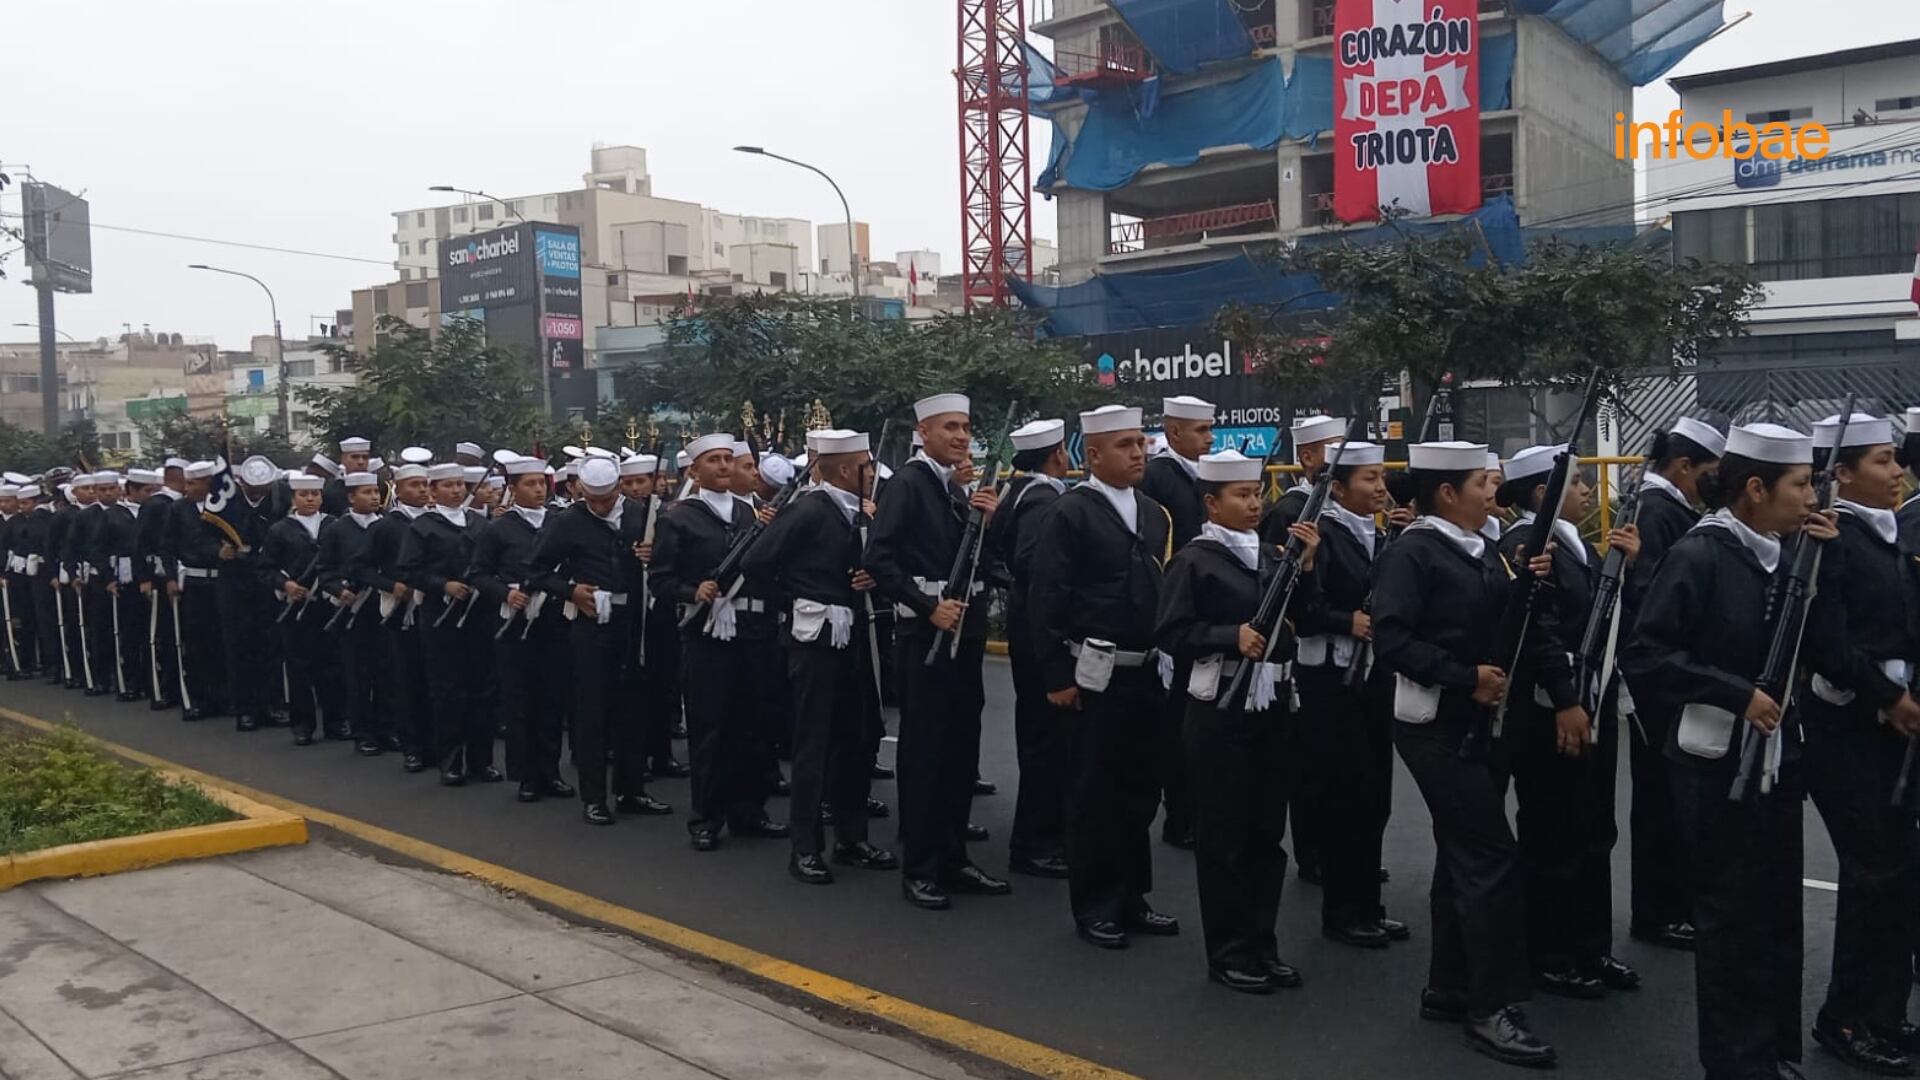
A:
1641, 39
1184, 34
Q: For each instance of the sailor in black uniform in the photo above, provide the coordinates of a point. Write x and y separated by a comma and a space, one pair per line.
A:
244, 590
649, 489
405, 709
1861, 645
1439, 592
163, 667
18, 657
127, 570
1312, 438
1908, 516
190, 557
1095, 594
1212, 591
83, 606
292, 559
355, 457
351, 629
1704, 631
36, 573
96, 569
436, 557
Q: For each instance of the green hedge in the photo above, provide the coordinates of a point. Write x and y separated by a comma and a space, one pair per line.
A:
61, 788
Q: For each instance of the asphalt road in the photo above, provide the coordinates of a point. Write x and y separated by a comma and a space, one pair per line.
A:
1011, 963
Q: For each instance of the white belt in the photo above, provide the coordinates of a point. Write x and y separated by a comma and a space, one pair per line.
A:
1323, 650
196, 572
738, 603
1121, 658
1229, 668
937, 590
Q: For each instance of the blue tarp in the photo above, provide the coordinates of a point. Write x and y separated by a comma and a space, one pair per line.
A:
1642, 39
1111, 303
1184, 34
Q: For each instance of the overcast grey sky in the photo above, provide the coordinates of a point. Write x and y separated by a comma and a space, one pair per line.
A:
304, 125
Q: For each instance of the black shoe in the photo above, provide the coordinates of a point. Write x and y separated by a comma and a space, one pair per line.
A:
1247, 982
367, 748
414, 763
452, 778
826, 813
1504, 1036
1153, 924
1046, 866
1385, 876
594, 813
162, 705
98, 691
337, 734
1443, 1005
393, 743
1394, 928
1310, 873
972, 879
781, 787
1860, 1048
985, 787
1359, 935
671, 767
487, 775
705, 839
303, 738
679, 730
763, 827
246, 723
1569, 983
1785, 1071
1102, 935
882, 772
194, 715
1904, 1035
1612, 974
1283, 974
644, 805
809, 870
977, 834
877, 808
559, 789
1180, 838
924, 894
128, 696
1673, 935
865, 856
528, 793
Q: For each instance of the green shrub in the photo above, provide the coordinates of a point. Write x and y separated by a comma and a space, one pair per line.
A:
60, 788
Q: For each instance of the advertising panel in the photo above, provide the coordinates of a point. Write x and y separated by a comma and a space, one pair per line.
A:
1406, 99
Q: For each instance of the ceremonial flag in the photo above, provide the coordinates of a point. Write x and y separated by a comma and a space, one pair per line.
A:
913, 284
1406, 97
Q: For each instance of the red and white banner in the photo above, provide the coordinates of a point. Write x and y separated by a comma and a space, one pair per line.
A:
1406, 108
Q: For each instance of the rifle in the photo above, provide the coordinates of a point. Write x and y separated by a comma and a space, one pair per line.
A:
86, 647
865, 524
287, 607
1595, 657
1274, 601
119, 668
728, 572
6, 609
153, 639
1904, 784
966, 558
646, 537
1519, 620
180, 656
1760, 754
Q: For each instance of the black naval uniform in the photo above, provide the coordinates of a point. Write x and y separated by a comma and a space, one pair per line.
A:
1236, 759
65, 516
32, 541
192, 549
22, 631
244, 589
1039, 731
85, 611
1662, 893
525, 655
1306, 780
1096, 578
437, 550
806, 559
355, 637
726, 711
162, 673
1170, 481
123, 610
1437, 606
292, 554
1861, 643
1705, 627
401, 699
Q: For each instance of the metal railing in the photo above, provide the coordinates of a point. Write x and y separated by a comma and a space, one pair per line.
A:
1138, 234
1119, 60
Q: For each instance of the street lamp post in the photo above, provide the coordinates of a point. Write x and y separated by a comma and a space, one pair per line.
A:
478, 194
853, 258
57, 330
279, 346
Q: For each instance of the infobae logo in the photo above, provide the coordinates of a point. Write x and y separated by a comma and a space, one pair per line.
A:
478, 251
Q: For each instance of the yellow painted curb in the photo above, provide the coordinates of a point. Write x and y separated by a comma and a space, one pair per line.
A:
261, 826
953, 1031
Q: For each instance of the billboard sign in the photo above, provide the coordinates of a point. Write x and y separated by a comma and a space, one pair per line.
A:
558, 253
488, 270
523, 282
57, 238
1406, 99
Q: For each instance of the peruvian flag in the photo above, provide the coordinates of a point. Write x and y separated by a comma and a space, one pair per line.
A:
913, 284
1406, 98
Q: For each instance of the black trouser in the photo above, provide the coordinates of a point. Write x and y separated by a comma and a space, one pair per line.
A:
80, 662
1662, 879
659, 683
46, 617
529, 707
1477, 900
1173, 757
726, 729
832, 702
357, 641
1567, 832
246, 613
938, 749
1040, 737
1852, 765
463, 725
1113, 792
1746, 859
204, 646
132, 608
163, 668
401, 692
1236, 763
26, 622
1345, 737
313, 675
100, 644
606, 721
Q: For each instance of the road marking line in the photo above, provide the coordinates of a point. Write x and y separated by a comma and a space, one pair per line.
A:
1823, 886
999, 1046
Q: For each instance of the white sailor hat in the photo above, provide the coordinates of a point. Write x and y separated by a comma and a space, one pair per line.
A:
360, 479
1494, 465
410, 471
564, 472
1862, 430
639, 465
1448, 456
30, 491
1356, 452
802, 461
504, 456
257, 471
201, 470
473, 474
145, 477
375, 464
1913, 420
1228, 467
573, 453
82, 480
494, 481
814, 436
599, 476
775, 469
1041, 434
9, 491
682, 459
446, 470
327, 464
1308, 430
1531, 462
16, 479
601, 452
1110, 418
1702, 434
1186, 407
355, 445
176, 463
707, 444
109, 476
471, 449
522, 466
940, 404
1770, 443
303, 482
842, 442
742, 448
416, 455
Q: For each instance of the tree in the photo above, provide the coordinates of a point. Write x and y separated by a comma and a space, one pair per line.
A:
417, 390
76, 446
208, 437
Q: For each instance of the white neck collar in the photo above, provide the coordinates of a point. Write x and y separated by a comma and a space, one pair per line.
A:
943, 472
1472, 543
534, 517
409, 512
363, 520
1564, 531
1660, 483
1244, 543
847, 501
310, 522
720, 502
1765, 546
1122, 499
1882, 522
1360, 525
455, 514
1167, 452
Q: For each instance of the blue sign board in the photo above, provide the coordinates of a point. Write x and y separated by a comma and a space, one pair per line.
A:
559, 253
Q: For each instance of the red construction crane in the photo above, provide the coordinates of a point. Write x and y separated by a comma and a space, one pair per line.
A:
996, 189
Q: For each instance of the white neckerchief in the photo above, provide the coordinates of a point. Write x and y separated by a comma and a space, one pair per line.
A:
1472, 543
1244, 543
457, 514
847, 501
1564, 531
943, 472
1058, 485
533, 517
409, 512
1167, 452
1125, 503
1492, 529
132, 508
365, 521
1766, 548
720, 502
310, 522
1660, 483
48, 507
612, 521
166, 493
252, 503
1882, 522
1361, 526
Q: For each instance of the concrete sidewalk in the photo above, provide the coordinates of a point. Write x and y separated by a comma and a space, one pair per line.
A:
312, 962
